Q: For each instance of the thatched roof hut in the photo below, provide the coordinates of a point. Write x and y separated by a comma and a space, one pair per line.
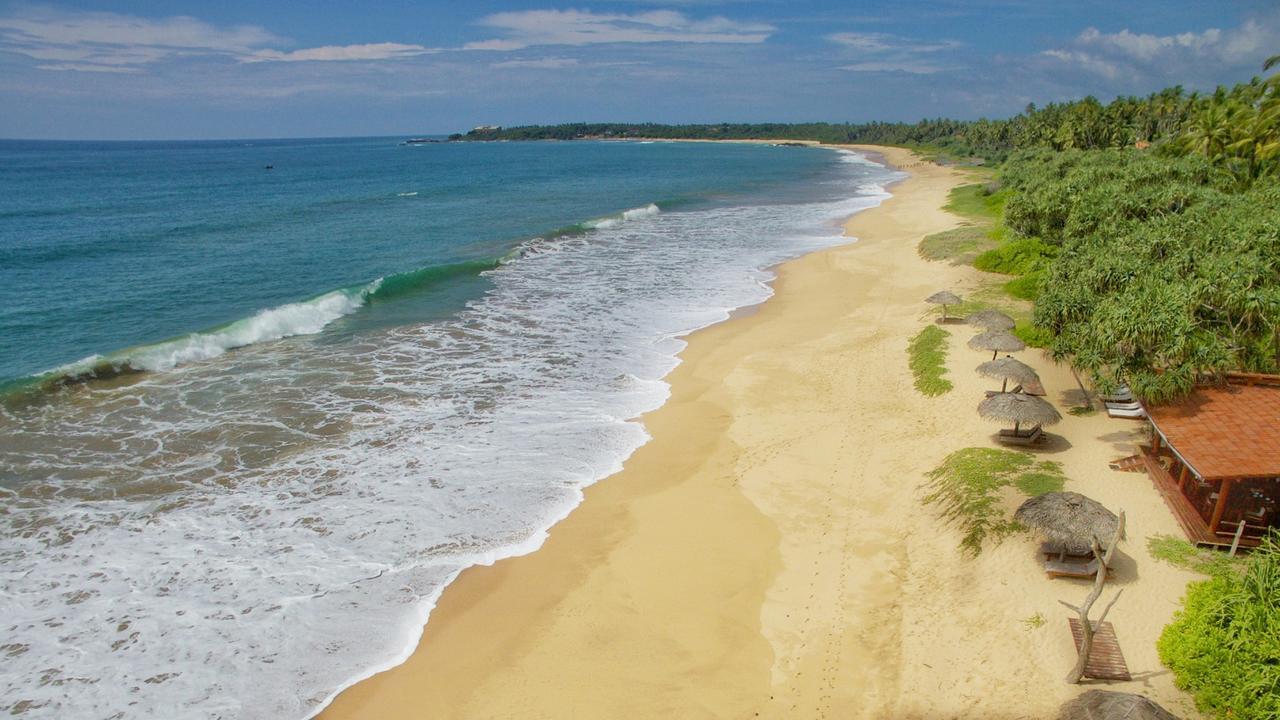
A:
1019, 408
1108, 705
944, 298
1069, 519
997, 341
991, 320
1007, 368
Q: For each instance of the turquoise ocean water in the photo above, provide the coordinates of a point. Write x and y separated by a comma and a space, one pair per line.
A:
253, 420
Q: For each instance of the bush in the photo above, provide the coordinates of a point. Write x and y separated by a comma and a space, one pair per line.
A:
1026, 287
1224, 645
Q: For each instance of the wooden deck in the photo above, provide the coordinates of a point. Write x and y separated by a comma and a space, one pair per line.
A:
1105, 662
1194, 526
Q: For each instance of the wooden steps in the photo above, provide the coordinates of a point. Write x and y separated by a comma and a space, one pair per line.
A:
1133, 463
1105, 662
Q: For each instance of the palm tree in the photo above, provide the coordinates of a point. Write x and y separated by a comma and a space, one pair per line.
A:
1271, 62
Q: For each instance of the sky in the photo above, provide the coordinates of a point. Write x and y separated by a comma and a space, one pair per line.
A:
151, 69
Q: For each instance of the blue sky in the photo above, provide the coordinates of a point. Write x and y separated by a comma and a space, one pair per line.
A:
292, 69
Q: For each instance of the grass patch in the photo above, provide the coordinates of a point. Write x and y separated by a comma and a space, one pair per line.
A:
1181, 553
1038, 483
967, 486
959, 246
1079, 411
927, 355
1223, 646
1034, 622
1017, 257
1033, 335
977, 202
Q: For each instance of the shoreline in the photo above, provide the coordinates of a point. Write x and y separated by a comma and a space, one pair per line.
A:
535, 542
783, 472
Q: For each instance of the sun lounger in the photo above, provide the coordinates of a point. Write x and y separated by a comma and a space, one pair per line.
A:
1009, 437
1052, 551
1073, 568
1122, 395
1123, 405
1125, 413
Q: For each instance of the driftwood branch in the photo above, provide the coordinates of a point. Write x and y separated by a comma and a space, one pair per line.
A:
1087, 627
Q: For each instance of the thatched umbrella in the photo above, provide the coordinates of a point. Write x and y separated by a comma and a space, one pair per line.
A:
991, 320
1108, 705
1069, 519
997, 341
1006, 369
1019, 409
944, 298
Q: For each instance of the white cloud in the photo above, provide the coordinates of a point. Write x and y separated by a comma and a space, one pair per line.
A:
106, 42
79, 67
882, 52
115, 43
582, 27
1144, 55
330, 53
540, 64
884, 42
915, 68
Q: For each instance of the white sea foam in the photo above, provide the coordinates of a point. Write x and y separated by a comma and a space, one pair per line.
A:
616, 220
281, 520
301, 318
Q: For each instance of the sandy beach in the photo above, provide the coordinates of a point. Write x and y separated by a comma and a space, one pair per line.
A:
767, 553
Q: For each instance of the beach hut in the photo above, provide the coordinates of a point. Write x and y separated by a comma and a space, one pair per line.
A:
1006, 369
997, 341
944, 298
990, 320
1069, 521
1109, 705
1019, 409
1215, 457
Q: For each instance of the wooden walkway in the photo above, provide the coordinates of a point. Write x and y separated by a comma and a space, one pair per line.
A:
1106, 662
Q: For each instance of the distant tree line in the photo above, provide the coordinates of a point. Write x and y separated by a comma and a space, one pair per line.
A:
1235, 128
1146, 230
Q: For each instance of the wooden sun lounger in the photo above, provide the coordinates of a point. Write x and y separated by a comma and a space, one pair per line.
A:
1057, 552
1105, 662
1072, 568
1009, 437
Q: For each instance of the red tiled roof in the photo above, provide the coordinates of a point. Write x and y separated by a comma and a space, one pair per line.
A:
1225, 432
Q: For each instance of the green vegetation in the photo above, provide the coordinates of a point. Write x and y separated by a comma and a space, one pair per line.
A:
928, 358
979, 202
1034, 622
966, 488
1224, 645
1166, 270
1181, 553
1235, 128
959, 246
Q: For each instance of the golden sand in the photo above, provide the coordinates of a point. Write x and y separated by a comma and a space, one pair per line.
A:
767, 553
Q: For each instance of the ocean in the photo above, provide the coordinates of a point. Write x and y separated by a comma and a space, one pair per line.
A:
261, 401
